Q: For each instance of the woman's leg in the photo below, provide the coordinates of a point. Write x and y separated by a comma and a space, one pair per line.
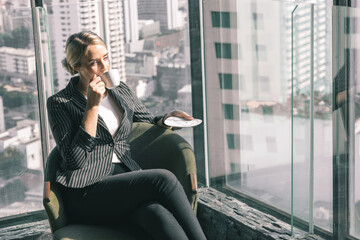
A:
158, 222
115, 197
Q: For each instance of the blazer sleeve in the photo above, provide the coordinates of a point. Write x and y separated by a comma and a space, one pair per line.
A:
72, 140
141, 113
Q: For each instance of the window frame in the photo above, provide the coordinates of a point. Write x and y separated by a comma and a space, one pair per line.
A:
340, 172
341, 163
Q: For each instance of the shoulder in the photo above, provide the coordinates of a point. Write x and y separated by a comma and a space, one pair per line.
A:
59, 98
123, 89
124, 86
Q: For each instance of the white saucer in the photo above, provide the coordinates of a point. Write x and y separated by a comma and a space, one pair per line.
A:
181, 122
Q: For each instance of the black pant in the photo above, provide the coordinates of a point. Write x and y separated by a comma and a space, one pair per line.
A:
153, 199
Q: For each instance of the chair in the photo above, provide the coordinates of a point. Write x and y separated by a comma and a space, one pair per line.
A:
152, 147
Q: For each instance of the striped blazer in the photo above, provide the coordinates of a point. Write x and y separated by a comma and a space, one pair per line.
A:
86, 159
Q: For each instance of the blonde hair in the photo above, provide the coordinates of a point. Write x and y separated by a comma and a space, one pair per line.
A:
76, 46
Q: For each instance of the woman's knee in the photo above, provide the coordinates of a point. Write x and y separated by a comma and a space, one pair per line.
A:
166, 180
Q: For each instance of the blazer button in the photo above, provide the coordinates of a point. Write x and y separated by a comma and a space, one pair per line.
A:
111, 144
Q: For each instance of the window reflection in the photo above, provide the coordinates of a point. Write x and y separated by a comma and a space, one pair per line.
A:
148, 43
252, 58
20, 145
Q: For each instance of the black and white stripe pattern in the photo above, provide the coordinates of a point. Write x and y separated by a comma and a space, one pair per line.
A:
87, 159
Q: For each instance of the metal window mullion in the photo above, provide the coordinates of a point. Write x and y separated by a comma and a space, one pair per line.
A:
340, 130
45, 142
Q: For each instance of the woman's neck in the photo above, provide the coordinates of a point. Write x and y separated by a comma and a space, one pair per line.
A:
81, 87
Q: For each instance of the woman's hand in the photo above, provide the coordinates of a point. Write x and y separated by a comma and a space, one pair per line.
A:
176, 113
95, 91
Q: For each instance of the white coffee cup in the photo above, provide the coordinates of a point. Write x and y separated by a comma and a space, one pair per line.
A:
111, 78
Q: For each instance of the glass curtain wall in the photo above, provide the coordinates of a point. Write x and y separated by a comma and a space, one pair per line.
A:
21, 162
148, 43
268, 82
347, 113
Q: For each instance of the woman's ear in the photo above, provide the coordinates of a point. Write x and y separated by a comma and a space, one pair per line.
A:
76, 68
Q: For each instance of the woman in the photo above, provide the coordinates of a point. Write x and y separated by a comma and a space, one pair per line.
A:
98, 179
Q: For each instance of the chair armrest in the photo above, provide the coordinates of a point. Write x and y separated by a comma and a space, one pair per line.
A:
155, 147
51, 195
46, 193
193, 181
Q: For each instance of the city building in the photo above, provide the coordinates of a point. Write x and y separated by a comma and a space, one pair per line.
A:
250, 74
2, 115
66, 19
32, 153
256, 68
131, 25
17, 61
165, 11
24, 132
275, 83
148, 28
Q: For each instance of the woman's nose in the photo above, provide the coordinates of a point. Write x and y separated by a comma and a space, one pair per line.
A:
104, 65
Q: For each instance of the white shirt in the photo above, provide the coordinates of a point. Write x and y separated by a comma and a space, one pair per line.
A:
112, 115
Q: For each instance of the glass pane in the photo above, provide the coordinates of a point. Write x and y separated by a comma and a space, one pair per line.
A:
312, 115
251, 153
148, 42
350, 78
21, 163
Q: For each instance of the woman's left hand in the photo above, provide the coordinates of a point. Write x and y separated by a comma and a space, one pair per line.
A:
176, 113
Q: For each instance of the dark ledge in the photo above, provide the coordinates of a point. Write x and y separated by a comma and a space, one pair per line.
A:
226, 218
222, 217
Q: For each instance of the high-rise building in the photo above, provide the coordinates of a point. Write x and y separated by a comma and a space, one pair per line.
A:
131, 26
164, 11
2, 116
17, 60
248, 74
102, 17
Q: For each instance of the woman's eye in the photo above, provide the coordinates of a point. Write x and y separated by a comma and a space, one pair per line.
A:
93, 63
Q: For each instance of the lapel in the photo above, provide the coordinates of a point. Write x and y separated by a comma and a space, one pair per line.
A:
126, 120
80, 101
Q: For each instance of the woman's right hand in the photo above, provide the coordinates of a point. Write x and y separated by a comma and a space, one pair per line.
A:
95, 92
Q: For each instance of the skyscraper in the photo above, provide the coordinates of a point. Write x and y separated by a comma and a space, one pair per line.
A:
130, 20
164, 11
248, 51
2, 116
102, 17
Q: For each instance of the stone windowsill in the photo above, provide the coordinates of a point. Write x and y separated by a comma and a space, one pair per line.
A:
222, 218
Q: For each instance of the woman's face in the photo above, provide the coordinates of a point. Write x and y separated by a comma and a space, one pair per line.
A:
95, 61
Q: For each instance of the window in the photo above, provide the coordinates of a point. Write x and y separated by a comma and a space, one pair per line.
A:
233, 141
20, 158
264, 83
18, 105
245, 114
231, 81
264, 39
235, 168
271, 144
267, 110
351, 25
231, 111
226, 81
237, 142
224, 19
258, 19
226, 50
261, 53
246, 142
